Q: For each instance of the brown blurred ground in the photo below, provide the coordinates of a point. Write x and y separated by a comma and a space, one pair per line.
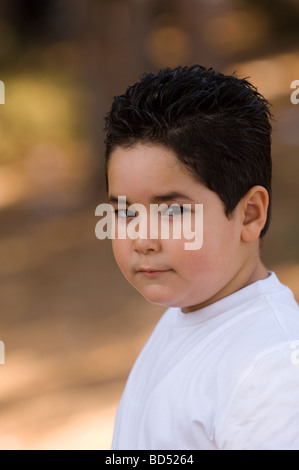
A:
72, 329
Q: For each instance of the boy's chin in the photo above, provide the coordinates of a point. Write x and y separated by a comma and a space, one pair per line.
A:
162, 298
171, 302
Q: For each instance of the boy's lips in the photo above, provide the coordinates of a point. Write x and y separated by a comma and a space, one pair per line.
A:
152, 272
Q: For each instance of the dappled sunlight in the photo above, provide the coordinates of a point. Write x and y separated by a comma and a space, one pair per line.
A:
237, 30
13, 186
272, 75
45, 157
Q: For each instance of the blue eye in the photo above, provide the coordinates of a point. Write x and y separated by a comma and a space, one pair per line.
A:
176, 210
124, 213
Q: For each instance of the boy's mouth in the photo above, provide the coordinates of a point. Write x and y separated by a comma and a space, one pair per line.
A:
151, 272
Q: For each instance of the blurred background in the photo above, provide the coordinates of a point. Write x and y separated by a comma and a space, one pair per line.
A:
71, 324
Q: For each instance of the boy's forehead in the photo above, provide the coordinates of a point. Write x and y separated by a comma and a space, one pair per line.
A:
149, 167
152, 188
152, 174
148, 155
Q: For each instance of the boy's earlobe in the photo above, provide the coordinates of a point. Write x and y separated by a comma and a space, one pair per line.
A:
254, 212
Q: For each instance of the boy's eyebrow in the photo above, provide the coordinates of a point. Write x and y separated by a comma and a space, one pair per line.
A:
114, 199
168, 197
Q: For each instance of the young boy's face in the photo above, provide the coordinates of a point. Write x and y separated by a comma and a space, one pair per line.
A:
181, 278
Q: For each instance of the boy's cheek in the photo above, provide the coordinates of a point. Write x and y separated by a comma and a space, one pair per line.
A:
121, 253
203, 263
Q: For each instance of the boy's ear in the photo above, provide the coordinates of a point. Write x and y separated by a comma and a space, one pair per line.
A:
254, 207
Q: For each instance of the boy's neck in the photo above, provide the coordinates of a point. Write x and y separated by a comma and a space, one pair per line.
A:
245, 276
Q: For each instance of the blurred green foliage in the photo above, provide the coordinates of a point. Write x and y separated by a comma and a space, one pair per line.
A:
39, 107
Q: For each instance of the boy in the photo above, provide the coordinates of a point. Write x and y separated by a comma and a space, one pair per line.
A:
219, 370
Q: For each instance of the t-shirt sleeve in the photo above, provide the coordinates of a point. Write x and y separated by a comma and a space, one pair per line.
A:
263, 410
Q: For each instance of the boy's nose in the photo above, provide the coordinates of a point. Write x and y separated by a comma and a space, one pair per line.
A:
148, 236
144, 245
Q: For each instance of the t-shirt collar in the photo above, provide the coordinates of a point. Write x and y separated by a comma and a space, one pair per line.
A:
262, 287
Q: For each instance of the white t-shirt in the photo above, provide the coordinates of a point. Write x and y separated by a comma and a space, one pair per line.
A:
223, 377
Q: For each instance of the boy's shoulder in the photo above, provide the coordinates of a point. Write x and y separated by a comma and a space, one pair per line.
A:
229, 334
239, 328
